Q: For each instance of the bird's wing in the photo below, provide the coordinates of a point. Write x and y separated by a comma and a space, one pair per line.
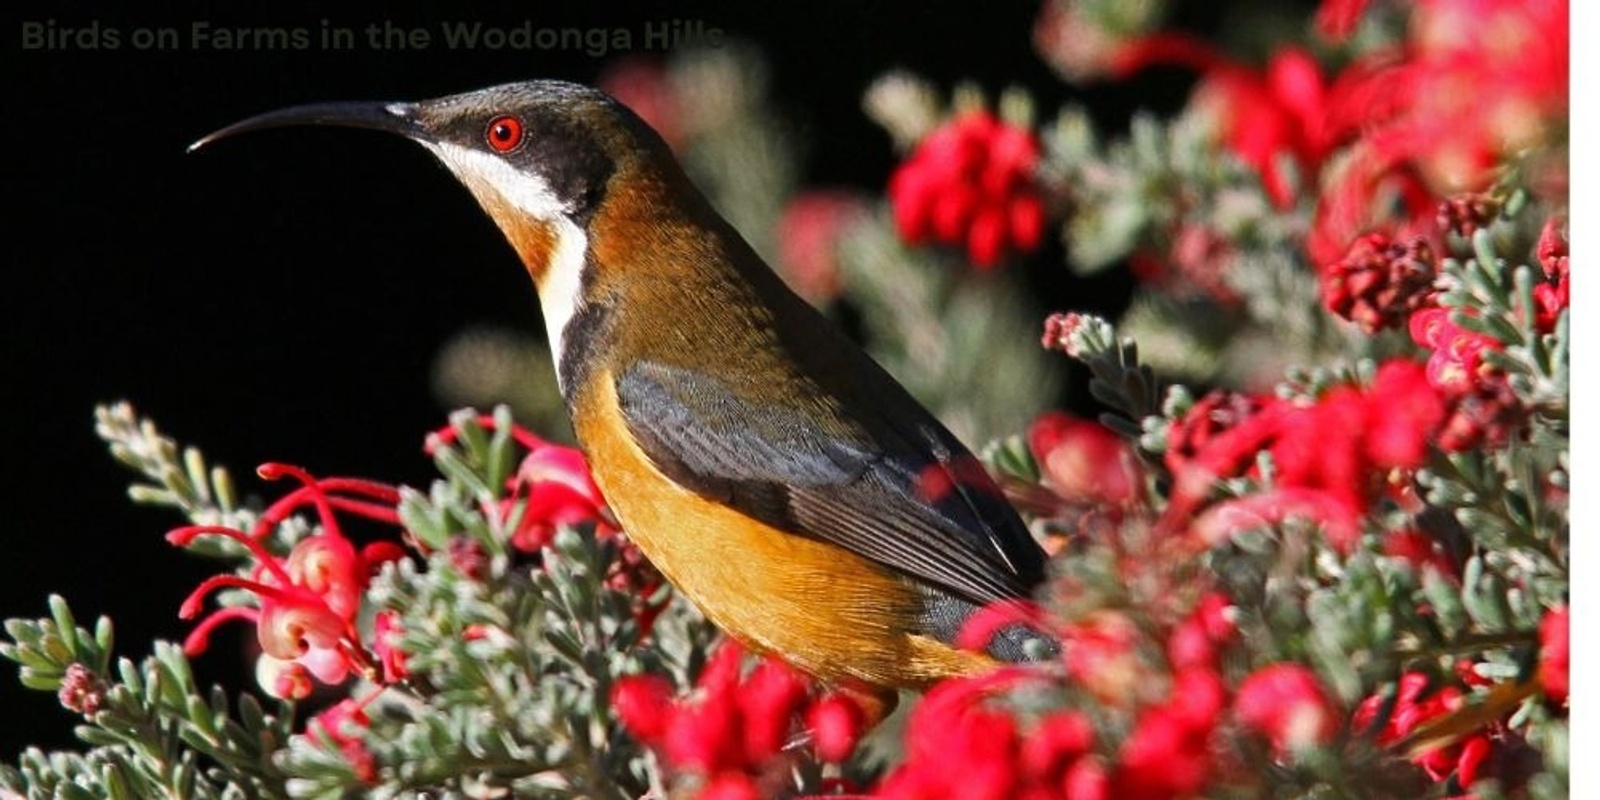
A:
903, 492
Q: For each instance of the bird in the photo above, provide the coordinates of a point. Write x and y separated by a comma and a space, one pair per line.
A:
770, 469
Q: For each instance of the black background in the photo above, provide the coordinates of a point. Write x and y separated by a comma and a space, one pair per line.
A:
282, 297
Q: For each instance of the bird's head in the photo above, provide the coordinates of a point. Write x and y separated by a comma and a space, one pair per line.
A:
543, 158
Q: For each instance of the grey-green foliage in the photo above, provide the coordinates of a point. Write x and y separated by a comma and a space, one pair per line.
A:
1140, 193
152, 732
510, 667
965, 345
1364, 616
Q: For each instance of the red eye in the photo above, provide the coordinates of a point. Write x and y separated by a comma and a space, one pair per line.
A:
504, 133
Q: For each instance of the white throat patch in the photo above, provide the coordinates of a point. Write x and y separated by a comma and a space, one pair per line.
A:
560, 292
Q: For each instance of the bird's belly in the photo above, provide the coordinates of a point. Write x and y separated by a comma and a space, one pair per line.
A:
823, 609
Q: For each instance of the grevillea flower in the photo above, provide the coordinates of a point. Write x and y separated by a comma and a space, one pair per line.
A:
733, 730
1413, 706
1198, 641
836, 724
1471, 82
1555, 654
1456, 364
1263, 116
1379, 282
971, 183
1191, 434
1422, 552
342, 726
1482, 406
307, 602
1168, 752
1554, 295
552, 488
1331, 456
1465, 214
1287, 704
956, 745
1084, 461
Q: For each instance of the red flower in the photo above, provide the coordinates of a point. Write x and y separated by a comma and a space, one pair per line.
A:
1101, 657
1337, 19
1337, 514
551, 489
556, 490
1554, 654
1331, 456
731, 786
1196, 642
341, 725
956, 746
1263, 115
1482, 408
1456, 363
970, 183
735, 727
1552, 250
308, 602
1553, 297
1404, 413
1379, 282
1055, 746
1083, 460
1483, 78
836, 723
1287, 704
644, 705
1413, 706
386, 632
1208, 418
1465, 214
1165, 756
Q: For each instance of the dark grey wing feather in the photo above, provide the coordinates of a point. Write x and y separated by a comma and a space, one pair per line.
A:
863, 489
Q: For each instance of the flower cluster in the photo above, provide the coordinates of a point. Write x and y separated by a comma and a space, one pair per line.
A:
1169, 693
734, 737
1379, 282
971, 183
1414, 704
1331, 455
308, 602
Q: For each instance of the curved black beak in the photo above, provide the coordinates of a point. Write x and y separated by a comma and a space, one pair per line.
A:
400, 118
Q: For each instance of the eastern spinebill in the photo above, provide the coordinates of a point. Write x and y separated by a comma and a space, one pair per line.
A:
771, 470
